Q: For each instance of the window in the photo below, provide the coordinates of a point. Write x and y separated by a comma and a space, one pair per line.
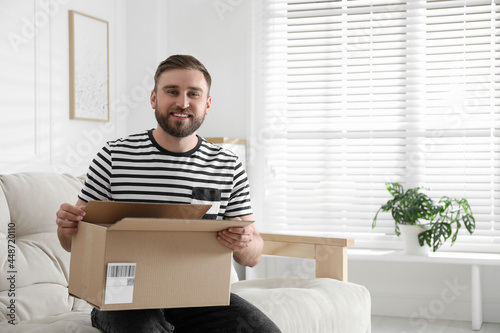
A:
354, 94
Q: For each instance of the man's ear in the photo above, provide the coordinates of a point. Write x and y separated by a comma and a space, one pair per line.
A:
209, 105
152, 99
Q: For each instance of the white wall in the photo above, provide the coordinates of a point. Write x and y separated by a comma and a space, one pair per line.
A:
75, 142
146, 42
425, 292
217, 33
37, 132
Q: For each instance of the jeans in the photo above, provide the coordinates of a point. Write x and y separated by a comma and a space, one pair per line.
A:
238, 317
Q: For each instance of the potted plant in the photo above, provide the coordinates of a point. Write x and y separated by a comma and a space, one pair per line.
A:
444, 218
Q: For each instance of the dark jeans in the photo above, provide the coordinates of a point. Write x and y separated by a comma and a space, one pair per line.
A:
239, 317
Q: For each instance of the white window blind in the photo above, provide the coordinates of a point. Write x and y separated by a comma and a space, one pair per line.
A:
354, 94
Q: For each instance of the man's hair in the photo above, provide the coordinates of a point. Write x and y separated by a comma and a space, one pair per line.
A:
180, 61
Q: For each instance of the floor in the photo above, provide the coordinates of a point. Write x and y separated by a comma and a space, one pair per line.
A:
406, 325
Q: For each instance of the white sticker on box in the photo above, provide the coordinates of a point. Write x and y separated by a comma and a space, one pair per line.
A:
120, 280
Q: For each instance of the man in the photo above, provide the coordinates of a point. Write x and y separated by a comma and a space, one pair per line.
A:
171, 164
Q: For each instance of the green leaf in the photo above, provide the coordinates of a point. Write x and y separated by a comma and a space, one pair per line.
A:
398, 215
465, 206
440, 232
425, 237
394, 188
454, 238
388, 206
469, 223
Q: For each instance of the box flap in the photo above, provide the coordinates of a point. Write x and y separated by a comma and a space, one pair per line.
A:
157, 224
108, 212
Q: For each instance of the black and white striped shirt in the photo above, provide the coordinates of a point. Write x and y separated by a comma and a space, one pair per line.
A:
138, 169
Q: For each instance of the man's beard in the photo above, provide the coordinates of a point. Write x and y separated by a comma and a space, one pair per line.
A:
177, 128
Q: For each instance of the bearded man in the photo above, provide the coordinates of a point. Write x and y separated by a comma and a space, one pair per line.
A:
172, 164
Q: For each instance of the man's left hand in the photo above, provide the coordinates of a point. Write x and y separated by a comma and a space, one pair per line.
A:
236, 238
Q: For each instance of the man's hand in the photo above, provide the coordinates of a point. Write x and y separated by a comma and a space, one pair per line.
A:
237, 238
67, 220
245, 242
68, 217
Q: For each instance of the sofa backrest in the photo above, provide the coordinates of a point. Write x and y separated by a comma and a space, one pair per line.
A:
35, 266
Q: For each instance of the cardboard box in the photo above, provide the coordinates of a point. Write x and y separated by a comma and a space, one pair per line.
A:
141, 255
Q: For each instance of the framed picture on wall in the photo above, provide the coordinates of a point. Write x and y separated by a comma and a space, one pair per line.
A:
89, 67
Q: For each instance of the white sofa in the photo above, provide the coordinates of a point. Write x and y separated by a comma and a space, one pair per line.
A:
34, 272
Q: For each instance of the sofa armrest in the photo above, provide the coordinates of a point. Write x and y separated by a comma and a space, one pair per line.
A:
330, 253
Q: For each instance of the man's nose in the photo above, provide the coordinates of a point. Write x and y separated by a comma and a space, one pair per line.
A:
183, 101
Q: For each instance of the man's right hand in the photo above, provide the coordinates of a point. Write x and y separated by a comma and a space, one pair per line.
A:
67, 220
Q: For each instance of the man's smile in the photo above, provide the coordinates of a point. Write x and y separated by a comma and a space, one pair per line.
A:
180, 115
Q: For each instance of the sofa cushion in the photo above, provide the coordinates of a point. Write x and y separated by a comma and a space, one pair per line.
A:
309, 305
34, 198
28, 203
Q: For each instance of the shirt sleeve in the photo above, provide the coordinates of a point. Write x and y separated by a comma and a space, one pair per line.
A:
239, 202
97, 184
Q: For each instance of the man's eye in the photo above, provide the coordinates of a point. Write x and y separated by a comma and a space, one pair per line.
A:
171, 92
194, 94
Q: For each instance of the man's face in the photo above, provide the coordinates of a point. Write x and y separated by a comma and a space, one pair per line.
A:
181, 101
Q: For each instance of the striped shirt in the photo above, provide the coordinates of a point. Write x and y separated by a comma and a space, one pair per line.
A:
138, 169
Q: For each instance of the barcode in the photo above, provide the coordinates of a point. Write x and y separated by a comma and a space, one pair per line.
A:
121, 270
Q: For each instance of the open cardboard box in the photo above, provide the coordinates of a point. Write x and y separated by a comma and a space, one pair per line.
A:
142, 255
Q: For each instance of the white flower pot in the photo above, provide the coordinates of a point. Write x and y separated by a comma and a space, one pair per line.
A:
409, 234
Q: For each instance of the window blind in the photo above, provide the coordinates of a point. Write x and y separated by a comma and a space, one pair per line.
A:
355, 94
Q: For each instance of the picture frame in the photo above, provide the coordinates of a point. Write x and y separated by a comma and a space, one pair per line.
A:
89, 67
